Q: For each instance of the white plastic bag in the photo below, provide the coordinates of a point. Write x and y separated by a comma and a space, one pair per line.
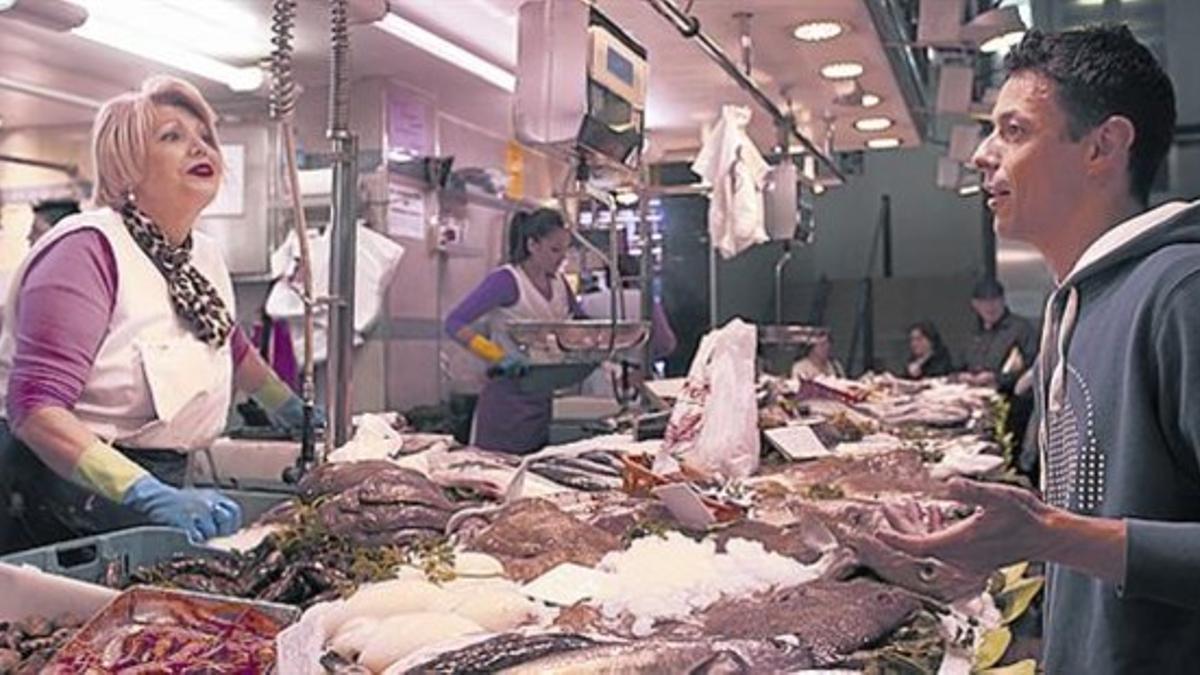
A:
714, 425
376, 260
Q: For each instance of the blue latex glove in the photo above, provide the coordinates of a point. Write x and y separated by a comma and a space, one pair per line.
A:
512, 365
203, 514
289, 417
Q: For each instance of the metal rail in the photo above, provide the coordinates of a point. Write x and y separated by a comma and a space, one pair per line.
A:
689, 27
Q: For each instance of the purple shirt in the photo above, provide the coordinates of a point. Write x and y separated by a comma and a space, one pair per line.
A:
498, 289
506, 419
63, 312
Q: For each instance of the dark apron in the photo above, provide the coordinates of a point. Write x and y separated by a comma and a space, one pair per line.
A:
39, 507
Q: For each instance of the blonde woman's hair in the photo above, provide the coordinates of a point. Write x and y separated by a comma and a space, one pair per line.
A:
122, 131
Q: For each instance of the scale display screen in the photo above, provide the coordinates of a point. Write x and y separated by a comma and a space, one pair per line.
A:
619, 66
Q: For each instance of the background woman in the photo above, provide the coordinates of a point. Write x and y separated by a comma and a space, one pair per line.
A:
927, 354
529, 288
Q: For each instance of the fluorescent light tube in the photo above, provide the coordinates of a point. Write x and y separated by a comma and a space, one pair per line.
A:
118, 37
447, 51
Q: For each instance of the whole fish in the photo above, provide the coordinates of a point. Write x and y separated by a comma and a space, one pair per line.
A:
500, 652
702, 657
574, 478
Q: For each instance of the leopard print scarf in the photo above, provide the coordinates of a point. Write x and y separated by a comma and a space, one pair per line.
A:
194, 298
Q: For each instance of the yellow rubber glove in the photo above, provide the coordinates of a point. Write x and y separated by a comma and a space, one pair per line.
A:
485, 349
105, 471
284, 408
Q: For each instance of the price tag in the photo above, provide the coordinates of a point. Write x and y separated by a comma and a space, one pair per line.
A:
797, 442
565, 585
685, 504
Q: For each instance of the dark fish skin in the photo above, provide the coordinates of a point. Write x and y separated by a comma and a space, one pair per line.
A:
587, 465
574, 478
602, 457
500, 652
831, 619
701, 657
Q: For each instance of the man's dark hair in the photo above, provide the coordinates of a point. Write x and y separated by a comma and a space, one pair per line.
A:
987, 288
1103, 71
54, 210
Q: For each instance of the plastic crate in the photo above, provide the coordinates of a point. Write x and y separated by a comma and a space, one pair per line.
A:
254, 503
90, 558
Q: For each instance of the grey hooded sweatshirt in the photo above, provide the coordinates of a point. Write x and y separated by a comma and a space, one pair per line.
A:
1120, 391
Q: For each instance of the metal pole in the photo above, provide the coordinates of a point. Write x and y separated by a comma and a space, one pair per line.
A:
713, 307
689, 27
646, 311
783, 261
885, 226
987, 239
343, 246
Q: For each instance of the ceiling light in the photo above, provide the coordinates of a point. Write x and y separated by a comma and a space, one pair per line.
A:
447, 51
870, 100
873, 124
1002, 43
841, 70
968, 190
1089, 3
114, 35
818, 189
993, 29
885, 143
178, 35
627, 198
215, 28
818, 31
52, 94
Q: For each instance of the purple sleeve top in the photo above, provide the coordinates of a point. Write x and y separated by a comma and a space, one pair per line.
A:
64, 307
499, 289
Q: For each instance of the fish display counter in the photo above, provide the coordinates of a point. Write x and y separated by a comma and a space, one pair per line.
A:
419, 557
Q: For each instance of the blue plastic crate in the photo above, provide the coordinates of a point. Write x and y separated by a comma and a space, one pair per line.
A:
90, 558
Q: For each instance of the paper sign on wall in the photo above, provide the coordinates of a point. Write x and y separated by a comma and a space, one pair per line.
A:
406, 210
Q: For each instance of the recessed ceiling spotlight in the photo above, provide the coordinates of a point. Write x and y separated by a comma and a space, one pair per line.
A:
885, 143
873, 124
818, 31
1001, 44
841, 70
870, 100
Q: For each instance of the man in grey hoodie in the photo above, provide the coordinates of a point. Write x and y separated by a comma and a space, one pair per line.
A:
1080, 127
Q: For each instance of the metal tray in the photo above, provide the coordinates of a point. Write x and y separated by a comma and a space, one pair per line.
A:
594, 336
790, 334
145, 606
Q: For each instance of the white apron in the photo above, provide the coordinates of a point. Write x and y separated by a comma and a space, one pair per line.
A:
153, 384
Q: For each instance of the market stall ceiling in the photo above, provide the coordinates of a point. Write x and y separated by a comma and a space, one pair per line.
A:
686, 89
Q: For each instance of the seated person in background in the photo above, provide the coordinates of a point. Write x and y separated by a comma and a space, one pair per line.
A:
1004, 345
818, 360
927, 354
597, 304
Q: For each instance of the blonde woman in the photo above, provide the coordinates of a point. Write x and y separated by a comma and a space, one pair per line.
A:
118, 354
